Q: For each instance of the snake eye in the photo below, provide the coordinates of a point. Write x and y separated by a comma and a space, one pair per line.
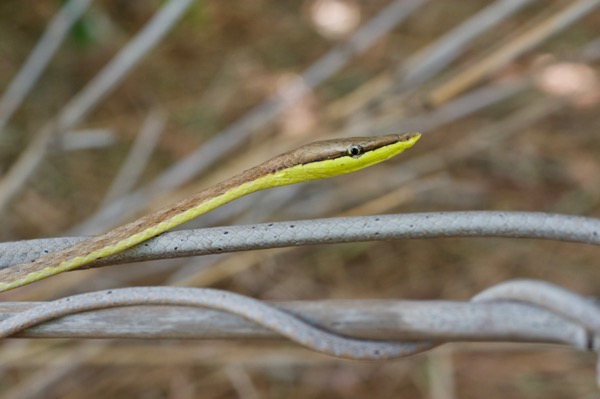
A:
355, 151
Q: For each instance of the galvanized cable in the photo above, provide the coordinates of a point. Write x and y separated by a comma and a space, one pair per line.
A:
274, 319
554, 298
293, 327
378, 319
548, 296
333, 230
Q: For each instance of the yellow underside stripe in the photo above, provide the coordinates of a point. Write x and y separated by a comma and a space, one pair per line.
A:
294, 174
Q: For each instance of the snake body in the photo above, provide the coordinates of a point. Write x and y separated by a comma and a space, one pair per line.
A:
313, 161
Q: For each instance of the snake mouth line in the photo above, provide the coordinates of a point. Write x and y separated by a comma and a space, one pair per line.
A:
312, 161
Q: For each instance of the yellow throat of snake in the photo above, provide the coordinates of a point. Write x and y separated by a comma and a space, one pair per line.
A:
310, 162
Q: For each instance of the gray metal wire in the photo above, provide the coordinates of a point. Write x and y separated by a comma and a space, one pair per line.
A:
320, 339
569, 307
334, 230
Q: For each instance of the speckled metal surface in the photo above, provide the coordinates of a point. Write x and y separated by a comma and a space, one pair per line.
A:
334, 230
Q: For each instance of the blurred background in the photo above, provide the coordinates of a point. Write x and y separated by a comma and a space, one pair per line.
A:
137, 104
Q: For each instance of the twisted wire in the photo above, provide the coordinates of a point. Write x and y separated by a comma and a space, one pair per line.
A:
289, 325
270, 317
547, 296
